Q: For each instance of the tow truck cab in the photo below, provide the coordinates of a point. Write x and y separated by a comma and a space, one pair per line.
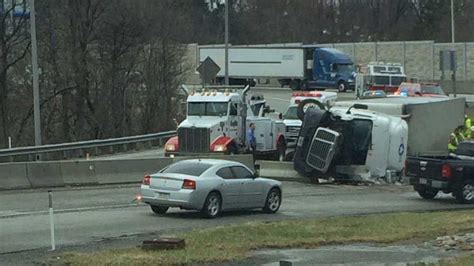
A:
290, 118
217, 122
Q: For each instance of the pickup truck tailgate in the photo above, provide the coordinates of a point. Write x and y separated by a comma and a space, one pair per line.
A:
424, 168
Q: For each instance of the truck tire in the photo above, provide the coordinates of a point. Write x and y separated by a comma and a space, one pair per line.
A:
232, 148
295, 84
341, 86
303, 105
427, 193
304, 85
281, 149
464, 192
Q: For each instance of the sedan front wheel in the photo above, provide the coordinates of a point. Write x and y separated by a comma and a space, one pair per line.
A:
273, 202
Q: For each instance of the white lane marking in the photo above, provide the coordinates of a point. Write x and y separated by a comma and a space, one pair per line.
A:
280, 99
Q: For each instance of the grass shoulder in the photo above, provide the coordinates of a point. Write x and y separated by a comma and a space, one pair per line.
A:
231, 243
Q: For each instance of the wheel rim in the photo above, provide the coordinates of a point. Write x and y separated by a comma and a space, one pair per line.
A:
213, 206
468, 192
341, 87
274, 201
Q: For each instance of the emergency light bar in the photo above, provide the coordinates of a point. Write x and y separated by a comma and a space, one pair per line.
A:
307, 94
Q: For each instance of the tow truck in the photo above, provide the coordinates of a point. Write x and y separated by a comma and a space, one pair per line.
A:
217, 121
321, 99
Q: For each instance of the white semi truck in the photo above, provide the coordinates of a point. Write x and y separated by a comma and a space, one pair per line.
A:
430, 119
302, 67
217, 122
373, 137
350, 143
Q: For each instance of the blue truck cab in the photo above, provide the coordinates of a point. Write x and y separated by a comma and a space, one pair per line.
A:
331, 69
325, 68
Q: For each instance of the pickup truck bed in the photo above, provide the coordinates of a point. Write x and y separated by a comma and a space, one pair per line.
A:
449, 174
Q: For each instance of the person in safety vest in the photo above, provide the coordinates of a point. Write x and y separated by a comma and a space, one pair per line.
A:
467, 128
455, 138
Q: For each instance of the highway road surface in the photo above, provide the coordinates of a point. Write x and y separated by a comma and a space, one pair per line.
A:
90, 215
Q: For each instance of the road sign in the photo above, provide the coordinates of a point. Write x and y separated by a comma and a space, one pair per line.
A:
447, 60
208, 70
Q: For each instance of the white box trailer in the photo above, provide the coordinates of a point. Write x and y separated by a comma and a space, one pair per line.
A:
261, 62
430, 120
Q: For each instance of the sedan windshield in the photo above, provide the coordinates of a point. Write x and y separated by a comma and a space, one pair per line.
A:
207, 108
432, 89
187, 168
291, 113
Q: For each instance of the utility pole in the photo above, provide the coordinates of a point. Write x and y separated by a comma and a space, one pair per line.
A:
453, 49
34, 63
226, 79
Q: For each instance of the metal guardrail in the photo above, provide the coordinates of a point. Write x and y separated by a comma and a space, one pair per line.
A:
64, 147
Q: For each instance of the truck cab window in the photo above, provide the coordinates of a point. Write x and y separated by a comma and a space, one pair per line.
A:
233, 109
207, 108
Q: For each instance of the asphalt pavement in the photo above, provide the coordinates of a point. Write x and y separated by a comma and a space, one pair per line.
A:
88, 215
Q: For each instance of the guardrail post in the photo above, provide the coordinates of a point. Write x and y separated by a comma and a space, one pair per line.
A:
124, 147
111, 149
51, 219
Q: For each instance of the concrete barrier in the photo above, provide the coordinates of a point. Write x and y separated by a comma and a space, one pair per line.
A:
44, 174
84, 172
78, 173
127, 171
14, 175
279, 170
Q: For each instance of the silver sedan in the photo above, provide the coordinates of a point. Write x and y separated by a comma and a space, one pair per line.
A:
210, 186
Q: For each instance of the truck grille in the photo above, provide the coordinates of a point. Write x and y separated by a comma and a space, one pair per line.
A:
193, 140
293, 130
322, 149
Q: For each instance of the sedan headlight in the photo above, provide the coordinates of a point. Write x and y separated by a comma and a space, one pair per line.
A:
169, 147
220, 148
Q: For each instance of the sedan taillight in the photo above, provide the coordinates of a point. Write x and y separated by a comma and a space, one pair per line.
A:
146, 180
189, 184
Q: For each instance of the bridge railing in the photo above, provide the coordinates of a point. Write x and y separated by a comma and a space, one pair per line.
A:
82, 148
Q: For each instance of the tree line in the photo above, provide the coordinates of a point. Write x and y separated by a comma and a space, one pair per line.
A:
111, 68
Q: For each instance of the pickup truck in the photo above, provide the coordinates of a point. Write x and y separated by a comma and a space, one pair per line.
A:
453, 173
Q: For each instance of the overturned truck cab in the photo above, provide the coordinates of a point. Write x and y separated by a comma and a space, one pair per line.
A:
350, 144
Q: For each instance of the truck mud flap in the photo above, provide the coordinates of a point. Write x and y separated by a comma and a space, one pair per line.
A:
322, 149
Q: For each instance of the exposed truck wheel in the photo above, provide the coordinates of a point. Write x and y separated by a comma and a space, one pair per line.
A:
305, 104
464, 192
427, 193
341, 86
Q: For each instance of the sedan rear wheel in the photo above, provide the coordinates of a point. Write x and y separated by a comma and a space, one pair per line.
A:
273, 202
159, 209
212, 206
